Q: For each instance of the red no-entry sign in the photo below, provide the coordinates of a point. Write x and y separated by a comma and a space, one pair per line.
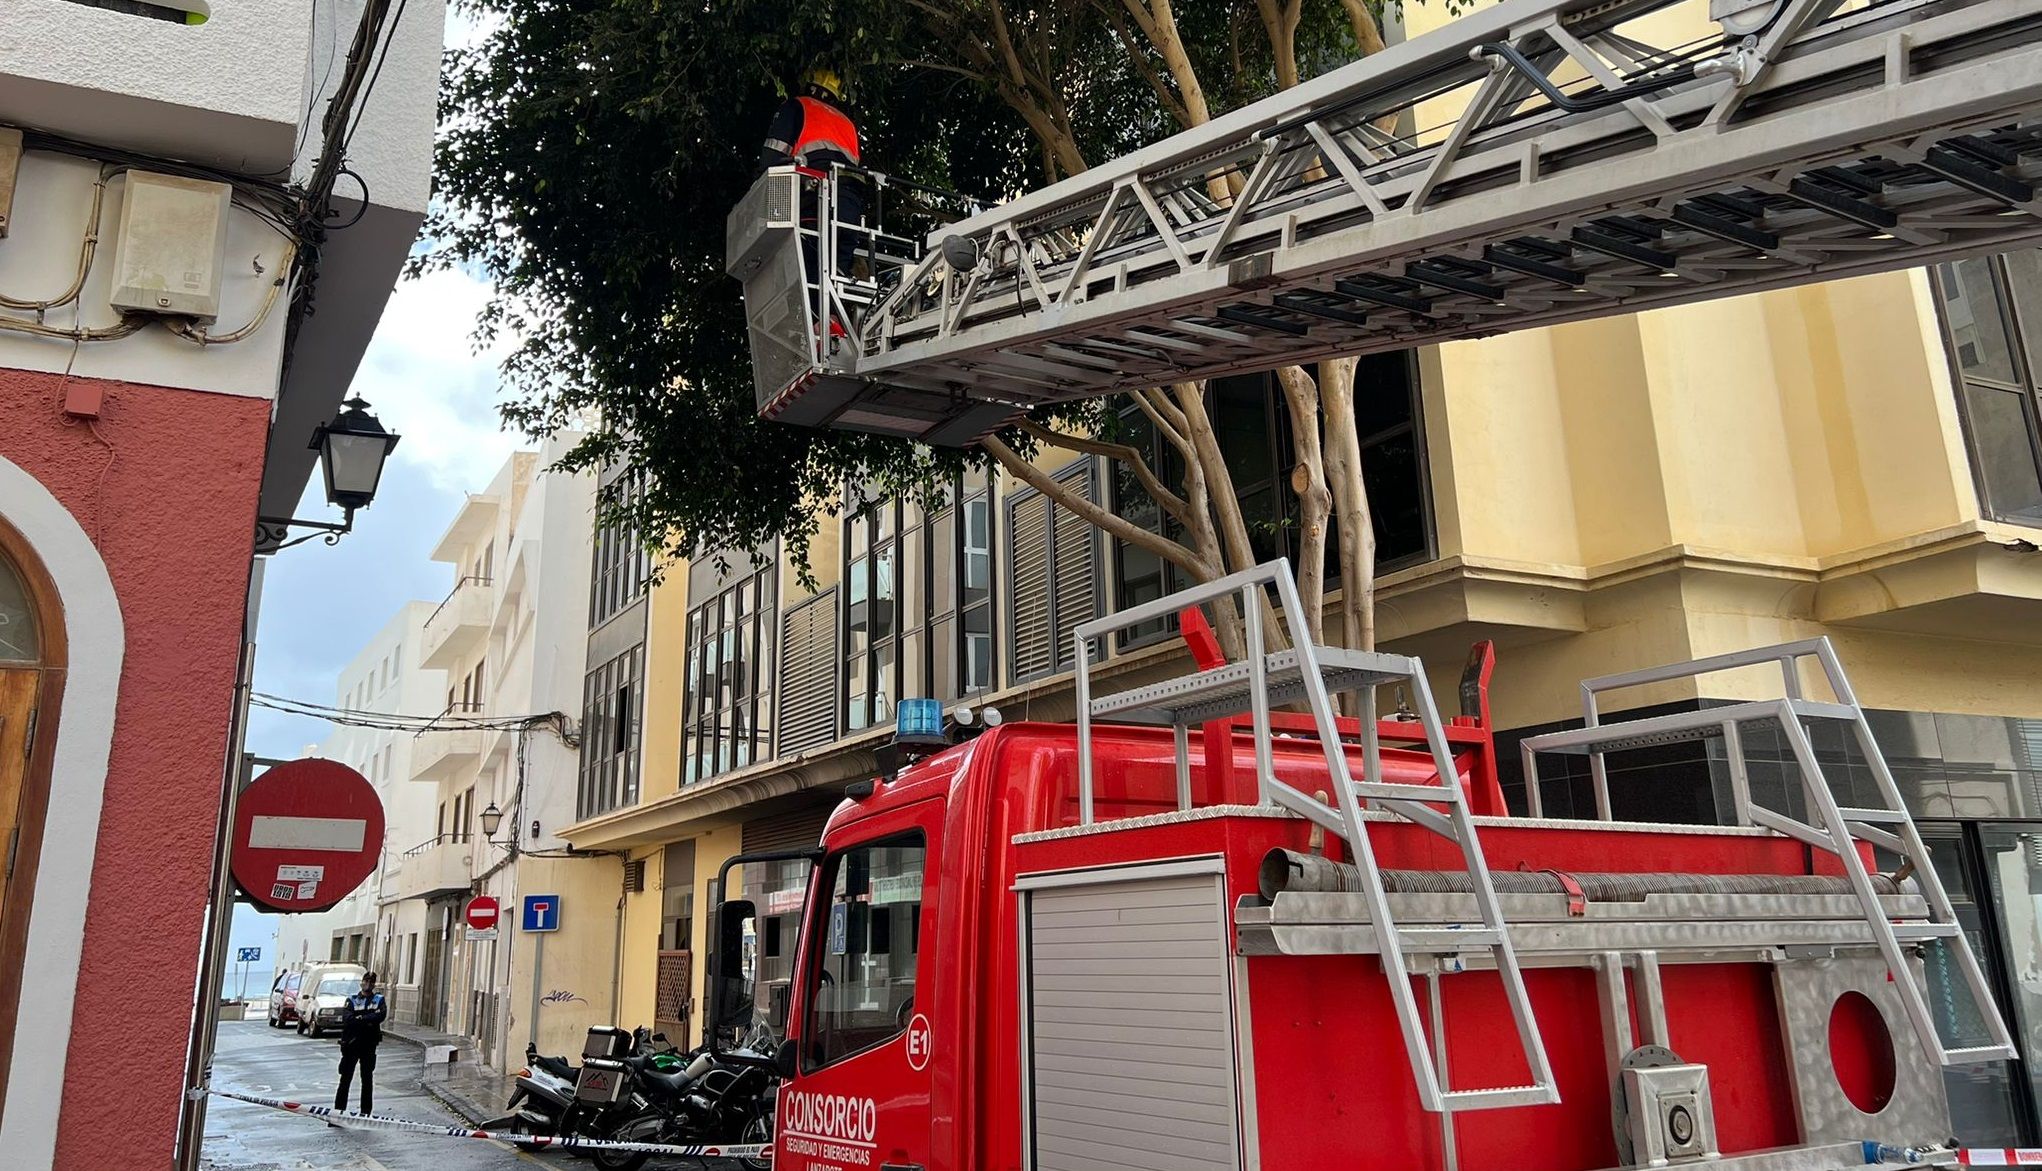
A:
305, 835
482, 913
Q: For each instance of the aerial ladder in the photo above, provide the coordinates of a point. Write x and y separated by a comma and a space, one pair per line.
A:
1536, 162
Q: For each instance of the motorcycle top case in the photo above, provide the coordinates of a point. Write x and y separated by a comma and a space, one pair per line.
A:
600, 1081
606, 1041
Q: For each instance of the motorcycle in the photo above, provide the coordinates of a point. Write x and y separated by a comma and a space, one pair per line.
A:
550, 1098
718, 1098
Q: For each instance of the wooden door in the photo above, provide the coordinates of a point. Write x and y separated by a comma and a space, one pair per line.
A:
18, 689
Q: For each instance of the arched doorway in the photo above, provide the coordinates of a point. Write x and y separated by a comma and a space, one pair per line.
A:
31, 682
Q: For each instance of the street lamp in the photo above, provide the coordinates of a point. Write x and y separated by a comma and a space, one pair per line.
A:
352, 450
492, 818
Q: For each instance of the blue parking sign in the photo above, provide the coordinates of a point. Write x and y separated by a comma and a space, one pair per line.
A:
541, 913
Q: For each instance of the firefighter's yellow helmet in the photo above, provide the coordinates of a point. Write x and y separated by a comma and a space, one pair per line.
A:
825, 79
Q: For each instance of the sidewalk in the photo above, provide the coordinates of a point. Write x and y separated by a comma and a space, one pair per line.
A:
471, 1090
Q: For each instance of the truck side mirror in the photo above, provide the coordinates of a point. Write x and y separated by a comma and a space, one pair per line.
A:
730, 1002
786, 1062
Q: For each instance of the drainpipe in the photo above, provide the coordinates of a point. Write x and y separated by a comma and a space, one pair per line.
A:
205, 1020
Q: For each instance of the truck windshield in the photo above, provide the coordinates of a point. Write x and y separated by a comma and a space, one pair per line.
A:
870, 934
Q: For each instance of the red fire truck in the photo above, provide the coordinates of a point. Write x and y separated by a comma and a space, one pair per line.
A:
1193, 930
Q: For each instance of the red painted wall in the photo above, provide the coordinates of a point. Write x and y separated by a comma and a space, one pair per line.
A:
164, 482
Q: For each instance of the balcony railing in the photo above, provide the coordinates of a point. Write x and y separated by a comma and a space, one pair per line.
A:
439, 865
461, 621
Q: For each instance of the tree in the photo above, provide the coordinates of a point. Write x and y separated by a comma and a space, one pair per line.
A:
590, 151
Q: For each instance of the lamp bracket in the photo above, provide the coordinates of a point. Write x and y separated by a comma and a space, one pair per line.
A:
272, 531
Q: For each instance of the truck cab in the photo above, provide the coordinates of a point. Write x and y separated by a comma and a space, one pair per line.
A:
1119, 945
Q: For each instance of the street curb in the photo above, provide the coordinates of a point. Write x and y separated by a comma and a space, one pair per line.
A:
459, 1104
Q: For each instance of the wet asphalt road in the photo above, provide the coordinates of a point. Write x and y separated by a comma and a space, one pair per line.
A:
277, 1063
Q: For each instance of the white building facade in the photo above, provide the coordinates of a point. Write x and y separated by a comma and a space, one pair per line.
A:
510, 638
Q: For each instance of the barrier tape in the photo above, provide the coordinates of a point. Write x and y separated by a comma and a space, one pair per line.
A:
533, 1141
2000, 1157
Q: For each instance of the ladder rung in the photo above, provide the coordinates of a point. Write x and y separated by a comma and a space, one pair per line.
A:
1927, 931
1499, 1096
1442, 940
1872, 816
1978, 1053
1437, 794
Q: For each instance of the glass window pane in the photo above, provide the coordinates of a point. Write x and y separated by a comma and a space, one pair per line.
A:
912, 609
1396, 495
1977, 329
943, 559
868, 947
1241, 420
2002, 444
18, 635
944, 656
2024, 283
978, 550
883, 683
978, 648
1982, 1106
1382, 392
883, 593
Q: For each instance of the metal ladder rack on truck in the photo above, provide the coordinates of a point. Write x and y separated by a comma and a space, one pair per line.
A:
1534, 162
1202, 941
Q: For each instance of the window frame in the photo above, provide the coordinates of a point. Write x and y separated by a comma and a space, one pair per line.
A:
919, 626
822, 894
708, 715
1281, 455
617, 772
2027, 370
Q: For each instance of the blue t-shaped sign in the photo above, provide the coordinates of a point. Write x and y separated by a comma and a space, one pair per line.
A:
542, 913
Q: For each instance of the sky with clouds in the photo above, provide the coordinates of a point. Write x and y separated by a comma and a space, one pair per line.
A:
426, 381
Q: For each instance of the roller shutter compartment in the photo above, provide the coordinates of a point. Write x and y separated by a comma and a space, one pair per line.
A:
1131, 1030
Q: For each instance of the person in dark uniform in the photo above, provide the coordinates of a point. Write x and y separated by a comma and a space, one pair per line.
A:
361, 1030
813, 130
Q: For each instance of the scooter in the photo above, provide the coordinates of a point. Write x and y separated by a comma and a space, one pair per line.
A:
546, 1100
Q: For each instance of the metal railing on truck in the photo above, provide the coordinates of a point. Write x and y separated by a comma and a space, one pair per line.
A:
1835, 829
1305, 671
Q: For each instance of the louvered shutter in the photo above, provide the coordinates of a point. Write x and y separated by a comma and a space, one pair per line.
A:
808, 674
793, 830
1029, 650
1074, 546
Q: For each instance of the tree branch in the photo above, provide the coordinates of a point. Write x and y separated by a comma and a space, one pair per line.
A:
1094, 515
1172, 503
1168, 422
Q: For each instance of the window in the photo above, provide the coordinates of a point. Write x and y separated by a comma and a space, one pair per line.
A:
728, 711
338, 944
1254, 431
411, 958
869, 937
622, 562
1992, 311
610, 740
1052, 576
918, 602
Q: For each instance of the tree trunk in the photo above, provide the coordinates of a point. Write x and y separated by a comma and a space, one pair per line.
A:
1354, 519
1315, 499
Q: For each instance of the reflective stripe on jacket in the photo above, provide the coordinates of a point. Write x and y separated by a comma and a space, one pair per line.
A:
824, 128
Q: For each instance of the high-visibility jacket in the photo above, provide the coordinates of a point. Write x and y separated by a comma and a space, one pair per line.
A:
811, 132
